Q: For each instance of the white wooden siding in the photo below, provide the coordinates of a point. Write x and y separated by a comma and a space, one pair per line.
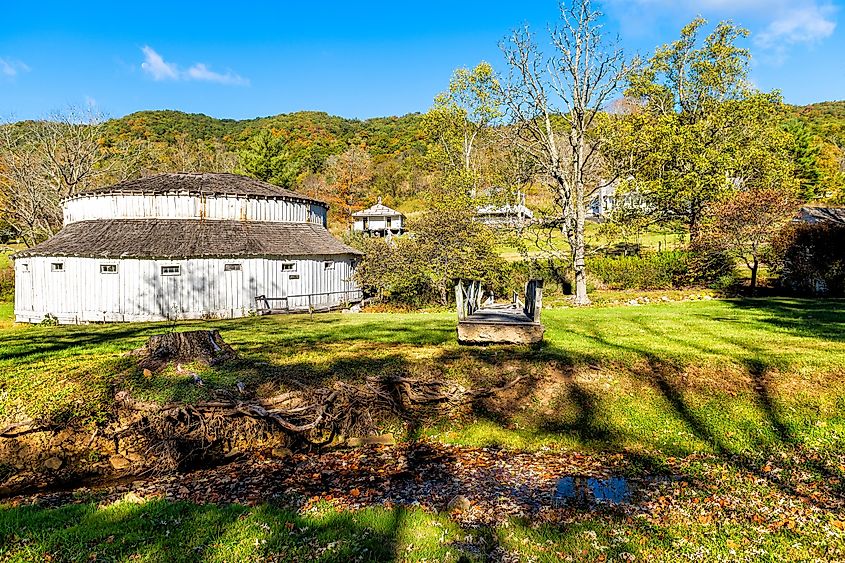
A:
138, 292
185, 206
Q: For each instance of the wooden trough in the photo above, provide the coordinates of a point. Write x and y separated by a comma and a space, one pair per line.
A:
499, 323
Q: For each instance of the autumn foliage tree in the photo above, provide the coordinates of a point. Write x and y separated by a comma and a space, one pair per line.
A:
349, 174
744, 224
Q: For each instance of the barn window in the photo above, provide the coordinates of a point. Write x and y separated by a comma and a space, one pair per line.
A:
171, 270
293, 277
289, 267
108, 268
232, 268
25, 268
57, 267
328, 265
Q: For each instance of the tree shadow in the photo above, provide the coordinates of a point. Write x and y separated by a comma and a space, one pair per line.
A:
816, 318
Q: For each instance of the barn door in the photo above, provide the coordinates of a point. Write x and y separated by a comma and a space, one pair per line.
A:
108, 291
233, 282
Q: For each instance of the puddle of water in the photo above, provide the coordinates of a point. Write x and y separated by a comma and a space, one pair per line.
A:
588, 490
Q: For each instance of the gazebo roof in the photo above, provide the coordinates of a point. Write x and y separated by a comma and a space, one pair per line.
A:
188, 238
518, 210
377, 210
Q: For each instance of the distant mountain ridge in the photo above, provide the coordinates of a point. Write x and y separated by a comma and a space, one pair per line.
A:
382, 135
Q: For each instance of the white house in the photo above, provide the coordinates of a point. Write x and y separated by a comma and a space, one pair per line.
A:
607, 198
602, 201
184, 246
379, 220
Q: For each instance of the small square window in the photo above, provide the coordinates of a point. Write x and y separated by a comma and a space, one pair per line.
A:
24, 268
328, 265
108, 268
57, 267
171, 270
293, 277
232, 268
289, 267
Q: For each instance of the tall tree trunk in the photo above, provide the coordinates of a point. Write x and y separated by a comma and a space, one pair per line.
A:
579, 249
754, 265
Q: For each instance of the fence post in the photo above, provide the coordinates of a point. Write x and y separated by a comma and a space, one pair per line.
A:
459, 300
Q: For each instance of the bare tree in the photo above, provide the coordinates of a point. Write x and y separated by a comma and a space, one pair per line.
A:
25, 203
69, 144
42, 162
554, 103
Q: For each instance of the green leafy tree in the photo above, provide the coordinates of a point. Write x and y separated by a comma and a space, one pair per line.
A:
701, 131
461, 119
805, 153
266, 157
449, 245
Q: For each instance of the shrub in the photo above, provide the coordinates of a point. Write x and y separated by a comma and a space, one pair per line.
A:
658, 270
7, 284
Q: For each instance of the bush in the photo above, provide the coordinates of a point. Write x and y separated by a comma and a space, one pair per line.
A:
7, 284
810, 259
659, 270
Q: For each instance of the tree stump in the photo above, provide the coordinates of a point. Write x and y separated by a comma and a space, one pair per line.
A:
204, 346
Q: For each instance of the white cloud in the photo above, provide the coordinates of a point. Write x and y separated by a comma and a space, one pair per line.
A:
155, 65
201, 72
11, 67
776, 25
806, 24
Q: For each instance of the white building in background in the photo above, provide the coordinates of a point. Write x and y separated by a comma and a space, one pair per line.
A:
607, 197
185, 246
506, 216
602, 202
379, 220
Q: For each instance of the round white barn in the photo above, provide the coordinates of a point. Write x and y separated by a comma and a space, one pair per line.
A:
185, 246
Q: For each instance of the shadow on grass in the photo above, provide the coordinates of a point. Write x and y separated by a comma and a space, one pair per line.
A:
590, 421
817, 318
165, 531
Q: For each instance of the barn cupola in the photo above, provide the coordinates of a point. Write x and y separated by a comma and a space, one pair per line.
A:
224, 197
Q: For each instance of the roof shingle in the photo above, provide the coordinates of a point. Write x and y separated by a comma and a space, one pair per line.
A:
201, 183
183, 238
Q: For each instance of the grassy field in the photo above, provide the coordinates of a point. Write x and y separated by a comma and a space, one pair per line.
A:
714, 390
653, 239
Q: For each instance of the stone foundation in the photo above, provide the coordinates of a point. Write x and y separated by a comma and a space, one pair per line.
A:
499, 333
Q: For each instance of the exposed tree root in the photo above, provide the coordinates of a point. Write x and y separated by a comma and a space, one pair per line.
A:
176, 435
179, 433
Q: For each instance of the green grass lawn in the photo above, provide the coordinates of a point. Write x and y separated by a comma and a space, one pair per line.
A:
725, 385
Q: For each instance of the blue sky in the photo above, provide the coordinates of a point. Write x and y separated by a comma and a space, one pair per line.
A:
355, 59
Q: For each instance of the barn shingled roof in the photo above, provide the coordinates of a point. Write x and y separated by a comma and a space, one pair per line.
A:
184, 238
206, 183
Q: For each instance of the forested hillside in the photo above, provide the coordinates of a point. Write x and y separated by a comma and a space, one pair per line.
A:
827, 119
